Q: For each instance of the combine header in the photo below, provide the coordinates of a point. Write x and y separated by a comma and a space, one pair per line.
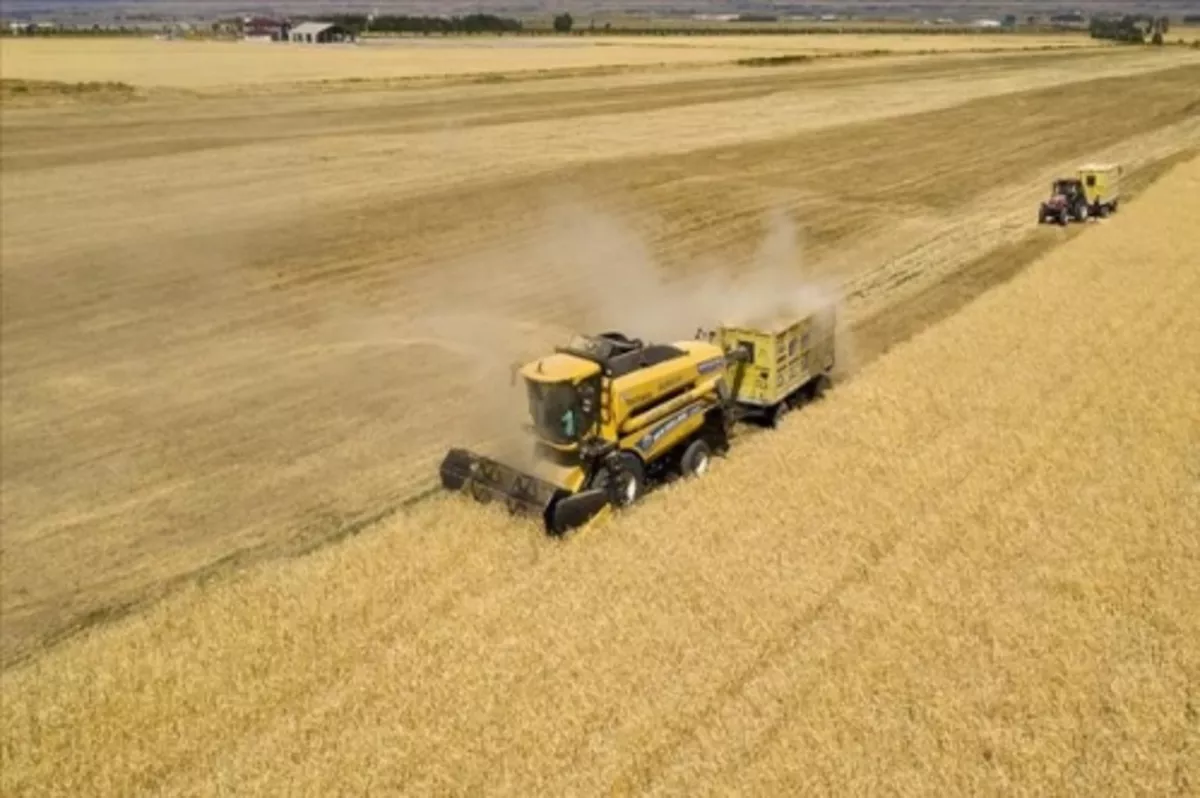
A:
612, 416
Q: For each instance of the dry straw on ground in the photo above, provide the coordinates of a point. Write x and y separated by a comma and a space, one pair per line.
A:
969, 571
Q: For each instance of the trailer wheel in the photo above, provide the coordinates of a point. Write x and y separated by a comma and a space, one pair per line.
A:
696, 459
820, 385
775, 414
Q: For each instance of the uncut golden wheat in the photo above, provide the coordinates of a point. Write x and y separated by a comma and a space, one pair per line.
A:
970, 570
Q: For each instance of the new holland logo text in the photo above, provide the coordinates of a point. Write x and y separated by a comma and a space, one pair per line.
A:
653, 437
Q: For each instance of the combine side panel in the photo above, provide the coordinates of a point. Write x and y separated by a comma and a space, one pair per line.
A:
665, 435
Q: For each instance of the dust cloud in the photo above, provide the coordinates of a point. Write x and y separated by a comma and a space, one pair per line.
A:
577, 269
626, 289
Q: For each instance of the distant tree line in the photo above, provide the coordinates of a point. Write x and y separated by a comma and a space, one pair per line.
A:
81, 30
1132, 28
813, 30
391, 23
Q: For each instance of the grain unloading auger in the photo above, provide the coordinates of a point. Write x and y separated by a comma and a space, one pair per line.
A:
612, 416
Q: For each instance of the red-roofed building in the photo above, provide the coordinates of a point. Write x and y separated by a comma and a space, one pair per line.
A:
265, 29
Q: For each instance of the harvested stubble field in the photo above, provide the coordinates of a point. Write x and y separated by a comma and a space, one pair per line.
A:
204, 64
971, 570
240, 326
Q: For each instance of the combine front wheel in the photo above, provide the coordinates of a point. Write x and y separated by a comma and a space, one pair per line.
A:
624, 481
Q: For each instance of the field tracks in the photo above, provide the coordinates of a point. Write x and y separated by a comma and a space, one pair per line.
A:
222, 256
872, 335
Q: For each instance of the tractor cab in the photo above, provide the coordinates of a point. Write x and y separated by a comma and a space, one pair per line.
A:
1067, 201
1066, 191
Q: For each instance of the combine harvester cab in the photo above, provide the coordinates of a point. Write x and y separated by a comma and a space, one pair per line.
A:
612, 416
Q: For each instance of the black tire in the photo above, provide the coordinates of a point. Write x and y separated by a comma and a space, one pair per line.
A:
819, 387
1063, 219
696, 459
479, 493
1081, 212
631, 480
775, 414
1103, 212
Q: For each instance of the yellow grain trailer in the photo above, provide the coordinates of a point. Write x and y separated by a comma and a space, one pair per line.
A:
788, 360
1101, 187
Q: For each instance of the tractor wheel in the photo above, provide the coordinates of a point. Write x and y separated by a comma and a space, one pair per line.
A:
1081, 212
696, 459
1063, 219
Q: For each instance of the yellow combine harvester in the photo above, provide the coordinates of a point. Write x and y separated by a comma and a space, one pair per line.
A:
613, 416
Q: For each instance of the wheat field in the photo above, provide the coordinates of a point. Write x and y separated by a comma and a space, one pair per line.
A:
205, 64
240, 326
970, 570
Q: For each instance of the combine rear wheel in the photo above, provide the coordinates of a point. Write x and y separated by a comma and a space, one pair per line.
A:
696, 459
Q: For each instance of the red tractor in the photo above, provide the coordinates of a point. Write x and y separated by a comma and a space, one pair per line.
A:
1067, 201
1094, 191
